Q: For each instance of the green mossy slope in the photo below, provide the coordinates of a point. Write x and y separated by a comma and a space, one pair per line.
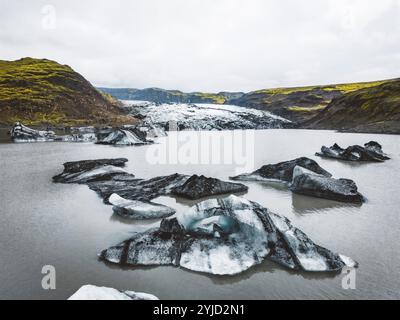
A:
373, 109
44, 92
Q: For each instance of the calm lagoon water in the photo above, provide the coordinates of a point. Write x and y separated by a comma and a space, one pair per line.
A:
66, 226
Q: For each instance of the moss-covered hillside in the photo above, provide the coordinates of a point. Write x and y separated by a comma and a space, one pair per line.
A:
44, 92
374, 109
299, 104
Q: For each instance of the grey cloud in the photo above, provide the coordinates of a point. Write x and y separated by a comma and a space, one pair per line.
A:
210, 45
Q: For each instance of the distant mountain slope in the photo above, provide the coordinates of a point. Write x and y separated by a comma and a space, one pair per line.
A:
300, 103
374, 109
158, 95
44, 92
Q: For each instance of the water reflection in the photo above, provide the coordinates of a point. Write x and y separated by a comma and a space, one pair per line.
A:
302, 205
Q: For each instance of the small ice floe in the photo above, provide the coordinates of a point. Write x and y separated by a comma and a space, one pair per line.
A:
90, 292
139, 210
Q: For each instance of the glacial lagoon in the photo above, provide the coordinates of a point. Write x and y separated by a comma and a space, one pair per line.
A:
66, 226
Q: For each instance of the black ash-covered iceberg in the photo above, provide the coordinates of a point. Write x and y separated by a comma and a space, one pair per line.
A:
372, 152
305, 176
309, 183
127, 136
225, 237
21, 133
86, 171
121, 189
282, 171
197, 187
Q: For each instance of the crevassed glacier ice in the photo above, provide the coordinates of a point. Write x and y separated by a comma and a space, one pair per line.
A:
206, 116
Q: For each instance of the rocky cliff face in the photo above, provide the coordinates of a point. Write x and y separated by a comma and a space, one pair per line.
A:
44, 92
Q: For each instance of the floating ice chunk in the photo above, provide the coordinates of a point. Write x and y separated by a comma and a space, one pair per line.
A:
311, 184
90, 292
122, 137
95, 174
349, 262
138, 210
372, 151
282, 171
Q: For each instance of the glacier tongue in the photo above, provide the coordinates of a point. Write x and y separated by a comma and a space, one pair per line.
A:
206, 116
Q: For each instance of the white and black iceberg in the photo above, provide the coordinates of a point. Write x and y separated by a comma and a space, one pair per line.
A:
305, 176
282, 171
225, 237
309, 183
90, 292
131, 197
371, 152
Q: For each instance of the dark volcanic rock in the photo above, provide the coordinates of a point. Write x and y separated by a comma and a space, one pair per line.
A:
197, 187
251, 234
308, 183
372, 151
171, 227
282, 171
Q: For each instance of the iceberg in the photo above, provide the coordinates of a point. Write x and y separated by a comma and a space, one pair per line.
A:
372, 152
309, 183
225, 237
282, 171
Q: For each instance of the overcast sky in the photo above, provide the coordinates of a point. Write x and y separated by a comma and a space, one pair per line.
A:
208, 45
